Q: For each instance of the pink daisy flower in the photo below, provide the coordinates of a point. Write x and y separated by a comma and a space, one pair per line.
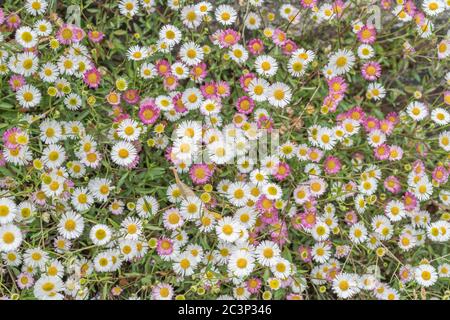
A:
13, 21
159, 289
264, 204
371, 71
393, 117
92, 78
308, 3
382, 152
410, 8
253, 285
356, 113
96, 36
281, 171
332, 165
288, 47
265, 123
337, 85
162, 67
239, 119
392, 184
168, 155
199, 72
351, 218
341, 117
131, 96
308, 219
223, 89
2, 16
418, 167
66, 34
409, 201
367, 34
135, 162
9, 138
269, 216
371, 123
164, 246
386, 4
338, 7
315, 155
386, 126
228, 38
178, 103
120, 117
78, 34
209, 90
245, 105
255, 46
279, 37
16, 82
447, 98
37, 198
330, 103
170, 82
113, 98
148, 111
405, 273
200, 173
296, 221
440, 174
419, 18
245, 80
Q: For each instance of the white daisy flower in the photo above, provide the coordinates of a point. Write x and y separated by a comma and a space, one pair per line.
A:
225, 14
266, 65
342, 61
10, 237
123, 153
26, 37
100, 234
191, 53
28, 96
71, 225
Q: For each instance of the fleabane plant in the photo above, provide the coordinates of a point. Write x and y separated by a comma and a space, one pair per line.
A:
225, 149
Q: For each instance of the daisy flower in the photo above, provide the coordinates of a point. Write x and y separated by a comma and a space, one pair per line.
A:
417, 110
123, 153
279, 94
225, 14
191, 16
425, 275
128, 7
36, 7
170, 34
342, 61
433, 7
228, 229
266, 65
375, 91
10, 237
28, 96
26, 37
191, 53
258, 89
100, 234
241, 263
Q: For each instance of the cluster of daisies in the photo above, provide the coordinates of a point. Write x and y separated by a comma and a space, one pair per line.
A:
287, 170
